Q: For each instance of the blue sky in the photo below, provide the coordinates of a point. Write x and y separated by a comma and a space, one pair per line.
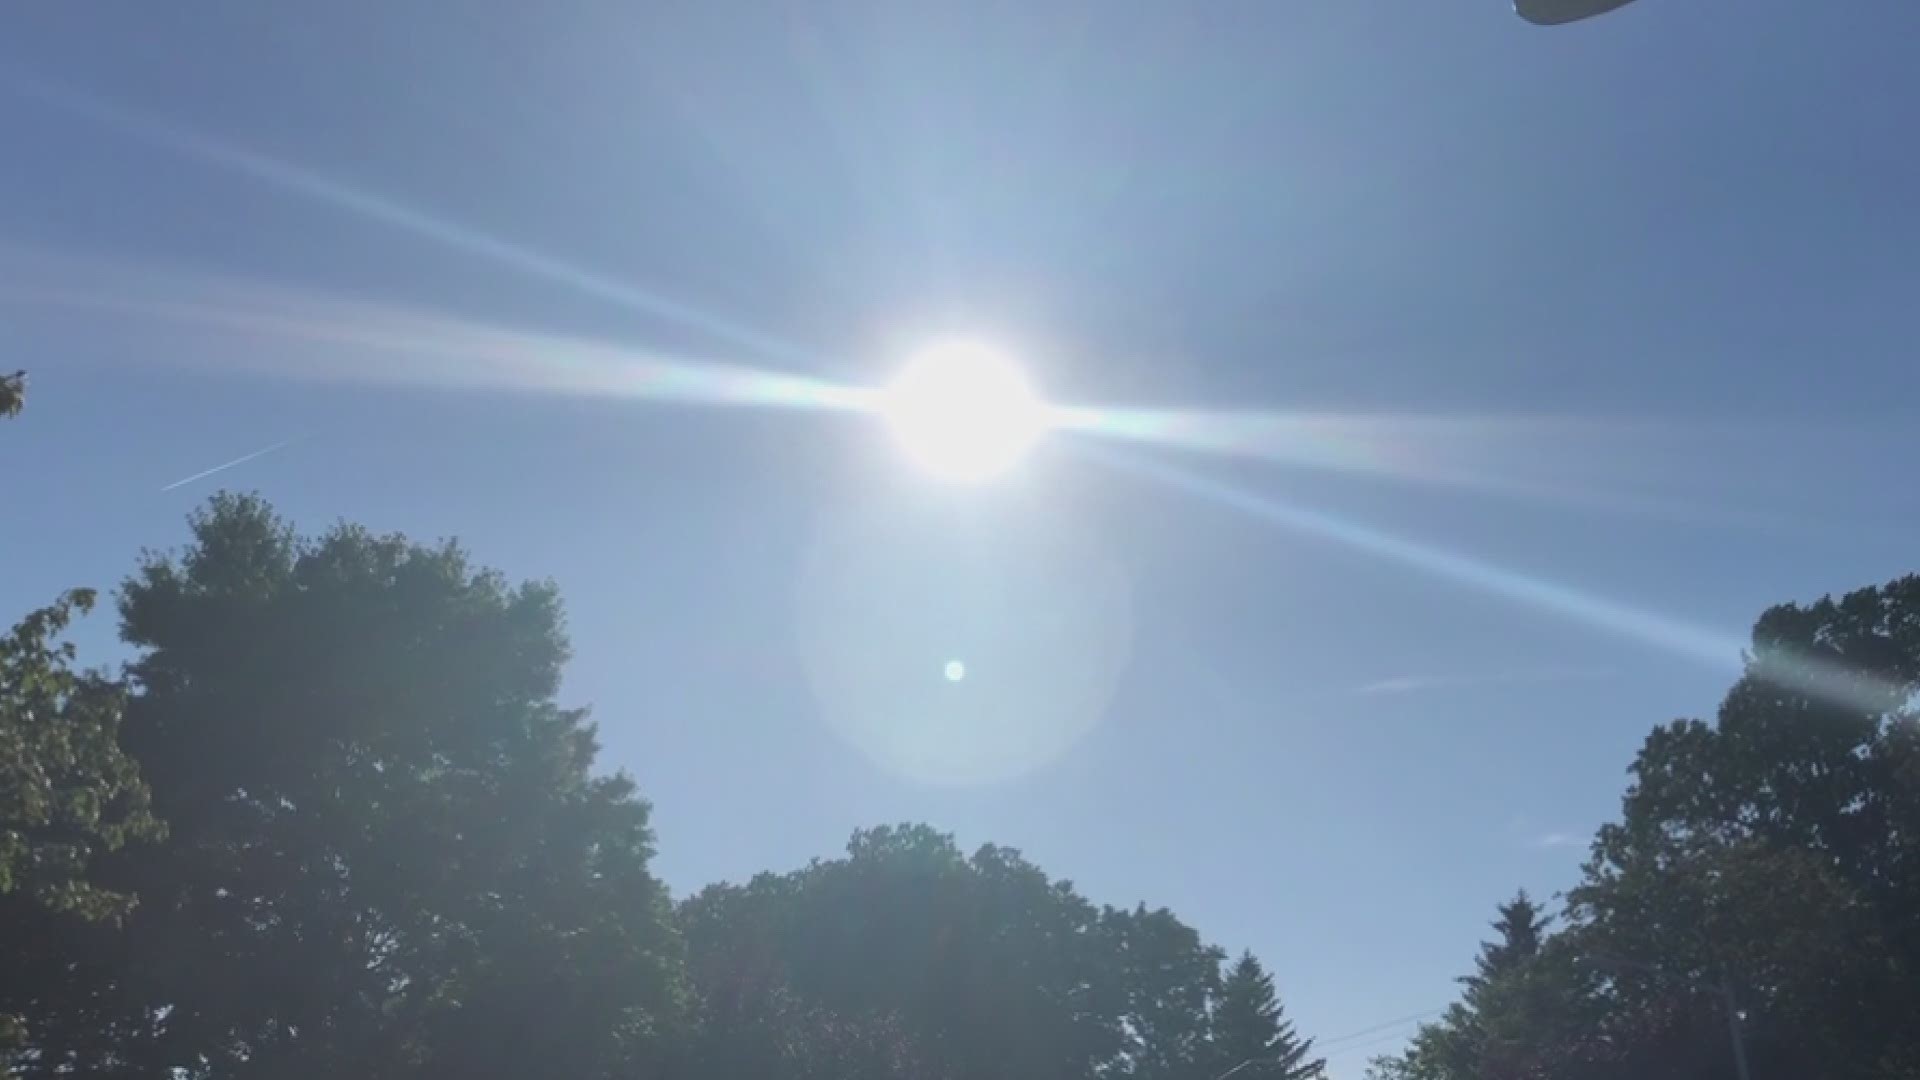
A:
1631, 306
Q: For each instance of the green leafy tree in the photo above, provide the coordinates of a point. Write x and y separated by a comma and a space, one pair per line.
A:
1526, 1012
13, 393
388, 855
751, 1023
1771, 855
68, 795
989, 968
908, 958
67, 791
1170, 979
769, 1032
1765, 870
1250, 1025
1521, 1012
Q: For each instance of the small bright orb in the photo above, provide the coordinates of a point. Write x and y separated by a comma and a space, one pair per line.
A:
956, 671
964, 412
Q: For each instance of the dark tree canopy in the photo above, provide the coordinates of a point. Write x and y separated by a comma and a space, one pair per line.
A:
1170, 979
984, 966
1771, 859
968, 967
387, 855
13, 393
333, 822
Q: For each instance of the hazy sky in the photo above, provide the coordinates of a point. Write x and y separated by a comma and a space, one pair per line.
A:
1609, 332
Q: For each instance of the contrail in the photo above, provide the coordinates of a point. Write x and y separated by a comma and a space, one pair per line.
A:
241, 460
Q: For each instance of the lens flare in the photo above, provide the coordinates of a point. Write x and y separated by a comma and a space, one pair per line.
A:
891, 598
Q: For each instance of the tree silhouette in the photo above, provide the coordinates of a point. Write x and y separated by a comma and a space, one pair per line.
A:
387, 855
1170, 979
989, 968
1772, 854
1522, 927
1764, 879
1249, 1025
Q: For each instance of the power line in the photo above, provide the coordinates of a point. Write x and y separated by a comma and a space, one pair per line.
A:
1359, 1046
1382, 1026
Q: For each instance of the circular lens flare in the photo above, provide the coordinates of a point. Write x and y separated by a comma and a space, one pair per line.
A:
1030, 610
964, 412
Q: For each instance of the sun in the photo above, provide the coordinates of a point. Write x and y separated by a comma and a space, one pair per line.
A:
963, 411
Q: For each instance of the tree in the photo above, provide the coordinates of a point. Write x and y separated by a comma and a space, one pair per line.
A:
1524, 1005
987, 967
1171, 980
68, 795
1249, 1025
67, 791
388, 856
751, 1022
964, 967
1522, 928
1764, 875
1772, 853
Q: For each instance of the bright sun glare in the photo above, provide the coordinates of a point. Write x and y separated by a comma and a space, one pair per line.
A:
964, 411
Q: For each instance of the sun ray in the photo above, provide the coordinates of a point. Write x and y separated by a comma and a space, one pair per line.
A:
368, 342
1470, 454
1675, 637
378, 208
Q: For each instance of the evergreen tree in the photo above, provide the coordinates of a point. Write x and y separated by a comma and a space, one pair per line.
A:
1495, 1031
1522, 928
1250, 1029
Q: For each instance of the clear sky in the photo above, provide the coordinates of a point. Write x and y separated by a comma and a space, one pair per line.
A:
1629, 310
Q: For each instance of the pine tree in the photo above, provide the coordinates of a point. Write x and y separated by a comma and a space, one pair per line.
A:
1522, 927
1486, 1034
1251, 1031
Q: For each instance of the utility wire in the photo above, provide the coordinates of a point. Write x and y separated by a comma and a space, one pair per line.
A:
1320, 1044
